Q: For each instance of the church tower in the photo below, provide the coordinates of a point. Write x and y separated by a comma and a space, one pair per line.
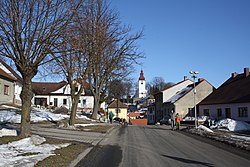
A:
142, 86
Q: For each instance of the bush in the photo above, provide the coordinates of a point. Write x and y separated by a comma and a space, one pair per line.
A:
61, 110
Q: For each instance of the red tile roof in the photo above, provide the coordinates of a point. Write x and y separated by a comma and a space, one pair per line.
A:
234, 90
113, 104
141, 76
43, 88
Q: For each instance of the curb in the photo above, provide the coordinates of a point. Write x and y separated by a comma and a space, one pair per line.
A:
80, 157
85, 152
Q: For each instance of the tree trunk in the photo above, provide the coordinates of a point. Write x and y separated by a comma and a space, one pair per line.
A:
73, 112
26, 96
96, 107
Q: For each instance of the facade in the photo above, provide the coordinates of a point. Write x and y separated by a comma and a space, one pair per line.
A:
142, 86
119, 110
230, 100
183, 101
57, 94
166, 94
6, 87
151, 114
17, 82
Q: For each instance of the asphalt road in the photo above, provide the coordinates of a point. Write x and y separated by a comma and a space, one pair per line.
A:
158, 146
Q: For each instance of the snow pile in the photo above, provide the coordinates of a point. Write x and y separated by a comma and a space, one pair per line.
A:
232, 125
205, 128
200, 118
35, 116
27, 152
7, 132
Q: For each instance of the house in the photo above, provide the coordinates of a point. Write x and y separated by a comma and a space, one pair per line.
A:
17, 82
164, 95
6, 87
151, 114
57, 94
230, 100
119, 109
183, 101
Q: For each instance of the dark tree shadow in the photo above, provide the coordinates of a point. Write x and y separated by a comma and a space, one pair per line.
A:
188, 161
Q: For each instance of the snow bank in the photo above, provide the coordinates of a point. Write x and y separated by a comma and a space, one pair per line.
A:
35, 116
232, 125
7, 132
27, 152
205, 128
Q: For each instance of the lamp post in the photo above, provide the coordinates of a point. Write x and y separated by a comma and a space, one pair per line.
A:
194, 73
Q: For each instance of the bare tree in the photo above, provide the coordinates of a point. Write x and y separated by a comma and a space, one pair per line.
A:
110, 48
157, 84
29, 32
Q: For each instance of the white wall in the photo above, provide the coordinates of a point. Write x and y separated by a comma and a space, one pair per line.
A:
234, 110
142, 88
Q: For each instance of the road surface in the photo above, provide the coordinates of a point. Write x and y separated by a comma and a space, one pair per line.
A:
158, 146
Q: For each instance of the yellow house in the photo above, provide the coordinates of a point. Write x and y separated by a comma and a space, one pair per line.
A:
119, 109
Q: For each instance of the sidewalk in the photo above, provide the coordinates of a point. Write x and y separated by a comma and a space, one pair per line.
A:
92, 138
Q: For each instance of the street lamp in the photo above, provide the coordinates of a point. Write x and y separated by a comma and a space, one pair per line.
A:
194, 73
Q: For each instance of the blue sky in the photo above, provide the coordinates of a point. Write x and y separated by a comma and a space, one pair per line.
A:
208, 36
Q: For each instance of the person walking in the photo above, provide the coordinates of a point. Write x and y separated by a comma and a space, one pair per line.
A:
177, 121
172, 120
111, 115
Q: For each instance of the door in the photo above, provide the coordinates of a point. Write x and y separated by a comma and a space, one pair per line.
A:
55, 102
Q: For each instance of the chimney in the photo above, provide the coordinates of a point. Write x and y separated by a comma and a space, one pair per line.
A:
234, 74
246, 72
200, 79
185, 78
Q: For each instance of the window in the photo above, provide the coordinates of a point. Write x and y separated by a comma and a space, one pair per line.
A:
219, 112
118, 110
242, 112
55, 102
76, 89
6, 89
79, 101
228, 112
206, 112
64, 101
83, 101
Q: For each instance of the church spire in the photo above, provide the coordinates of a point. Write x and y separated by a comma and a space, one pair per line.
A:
141, 76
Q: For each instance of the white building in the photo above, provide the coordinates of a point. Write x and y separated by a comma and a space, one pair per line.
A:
142, 86
57, 94
230, 100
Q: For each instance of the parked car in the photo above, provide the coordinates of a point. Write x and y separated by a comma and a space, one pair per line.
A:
165, 120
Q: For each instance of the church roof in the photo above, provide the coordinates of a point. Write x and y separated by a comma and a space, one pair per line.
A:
141, 76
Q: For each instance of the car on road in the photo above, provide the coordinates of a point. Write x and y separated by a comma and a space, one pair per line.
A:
165, 120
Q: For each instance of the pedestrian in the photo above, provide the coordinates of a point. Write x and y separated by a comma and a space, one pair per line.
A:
177, 121
111, 115
172, 120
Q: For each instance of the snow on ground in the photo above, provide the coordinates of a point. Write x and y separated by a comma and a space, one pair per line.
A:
27, 152
231, 125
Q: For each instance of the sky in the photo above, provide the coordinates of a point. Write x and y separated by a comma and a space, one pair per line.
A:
208, 36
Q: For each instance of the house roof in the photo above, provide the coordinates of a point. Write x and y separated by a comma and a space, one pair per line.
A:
113, 104
235, 90
172, 86
18, 78
6, 75
184, 91
43, 88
